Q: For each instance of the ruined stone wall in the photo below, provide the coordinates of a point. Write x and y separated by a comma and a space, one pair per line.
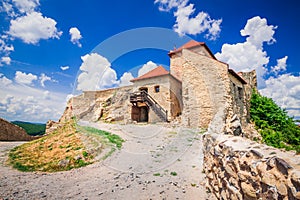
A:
201, 50
176, 65
176, 60
206, 90
108, 105
251, 79
12, 132
239, 108
238, 168
176, 97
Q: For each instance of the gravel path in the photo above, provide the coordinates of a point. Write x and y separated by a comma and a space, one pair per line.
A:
140, 170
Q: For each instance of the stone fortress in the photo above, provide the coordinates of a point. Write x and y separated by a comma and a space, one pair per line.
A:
201, 92
196, 89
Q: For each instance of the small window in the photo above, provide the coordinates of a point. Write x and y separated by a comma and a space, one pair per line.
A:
240, 91
156, 88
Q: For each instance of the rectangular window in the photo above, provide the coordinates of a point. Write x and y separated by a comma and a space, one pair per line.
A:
240, 91
156, 88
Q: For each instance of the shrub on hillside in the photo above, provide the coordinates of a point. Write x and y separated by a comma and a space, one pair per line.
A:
275, 126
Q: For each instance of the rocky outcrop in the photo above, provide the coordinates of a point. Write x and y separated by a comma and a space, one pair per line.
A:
11, 132
238, 168
106, 105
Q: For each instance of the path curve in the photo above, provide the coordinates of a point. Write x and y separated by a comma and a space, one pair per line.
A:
130, 173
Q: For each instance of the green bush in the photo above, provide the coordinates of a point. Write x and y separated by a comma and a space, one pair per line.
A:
275, 126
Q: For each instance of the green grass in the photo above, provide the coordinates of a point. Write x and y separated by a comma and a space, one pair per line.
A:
112, 138
45, 154
173, 173
156, 174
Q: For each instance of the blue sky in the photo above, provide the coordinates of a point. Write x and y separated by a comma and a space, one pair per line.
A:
51, 49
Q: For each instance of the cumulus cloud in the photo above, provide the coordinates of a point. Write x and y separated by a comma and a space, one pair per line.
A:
46, 95
6, 60
285, 91
258, 31
281, 66
125, 79
22, 102
167, 5
5, 48
250, 54
75, 36
4, 81
186, 24
64, 68
33, 27
96, 73
43, 78
146, 68
24, 78
26, 6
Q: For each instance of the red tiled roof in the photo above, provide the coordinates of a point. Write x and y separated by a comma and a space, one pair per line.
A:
191, 44
158, 71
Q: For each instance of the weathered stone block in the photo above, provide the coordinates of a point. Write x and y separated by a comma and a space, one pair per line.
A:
248, 191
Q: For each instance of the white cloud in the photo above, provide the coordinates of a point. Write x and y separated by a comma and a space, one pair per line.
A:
167, 5
22, 102
186, 24
8, 8
4, 81
33, 27
146, 68
46, 95
64, 68
258, 31
43, 78
285, 91
96, 73
125, 79
24, 78
75, 36
250, 54
281, 65
26, 6
6, 60
5, 48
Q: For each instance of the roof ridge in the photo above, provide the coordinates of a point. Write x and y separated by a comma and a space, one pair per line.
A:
158, 71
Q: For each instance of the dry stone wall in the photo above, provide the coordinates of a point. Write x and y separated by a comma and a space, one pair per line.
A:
238, 168
11, 132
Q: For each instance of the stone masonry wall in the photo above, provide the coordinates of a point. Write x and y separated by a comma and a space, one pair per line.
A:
203, 98
238, 168
11, 132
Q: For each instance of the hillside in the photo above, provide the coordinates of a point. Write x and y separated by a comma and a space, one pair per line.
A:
31, 128
69, 146
11, 132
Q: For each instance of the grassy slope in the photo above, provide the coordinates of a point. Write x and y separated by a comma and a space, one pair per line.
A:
62, 150
31, 128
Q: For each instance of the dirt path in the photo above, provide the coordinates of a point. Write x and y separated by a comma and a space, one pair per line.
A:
155, 162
